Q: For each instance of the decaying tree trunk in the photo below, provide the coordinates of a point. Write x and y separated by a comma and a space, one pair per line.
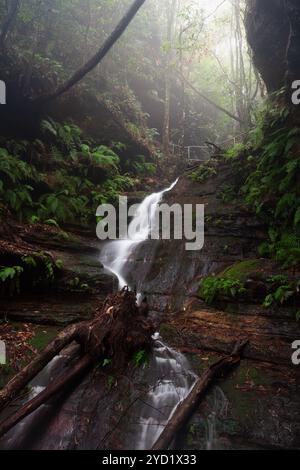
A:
186, 408
117, 331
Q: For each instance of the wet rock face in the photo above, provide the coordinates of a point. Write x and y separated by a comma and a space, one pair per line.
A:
168, 273
75, 289
256, 407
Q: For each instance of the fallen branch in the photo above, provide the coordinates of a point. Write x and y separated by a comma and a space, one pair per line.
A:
56, 386
21, 380
186, 408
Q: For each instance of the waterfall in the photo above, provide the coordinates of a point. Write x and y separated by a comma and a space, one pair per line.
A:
169, 380
169, 376
115, 254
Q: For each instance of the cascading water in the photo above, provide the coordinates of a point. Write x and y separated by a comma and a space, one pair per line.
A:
169, 379
169, 375
115, 254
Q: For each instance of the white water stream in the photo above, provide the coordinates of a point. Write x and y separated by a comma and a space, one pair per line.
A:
115, 254
170, 375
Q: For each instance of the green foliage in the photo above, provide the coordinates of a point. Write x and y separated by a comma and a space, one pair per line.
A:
29, 261
272, 187
278, 279
76, 187
139, 166
242, 270
227, 194
202, 173
234, 152
10, 272
113, 188
16, 180
105, 157
141, 358
106, 362
59, 264
10, 277
212, 287
270, 167
282, 248
67, 136
51, 222
283, 290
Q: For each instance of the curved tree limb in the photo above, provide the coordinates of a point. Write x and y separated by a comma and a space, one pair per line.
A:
205, 98
96, 59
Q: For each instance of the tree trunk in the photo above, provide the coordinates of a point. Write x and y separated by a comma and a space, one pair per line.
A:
96, 59
171, 11
186, 408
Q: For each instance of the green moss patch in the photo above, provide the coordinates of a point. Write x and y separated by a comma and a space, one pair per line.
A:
43, 336
243, 270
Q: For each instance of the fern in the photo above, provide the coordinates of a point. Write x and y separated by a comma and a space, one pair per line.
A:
48, 126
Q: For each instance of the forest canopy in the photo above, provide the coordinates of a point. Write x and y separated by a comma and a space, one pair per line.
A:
168, 61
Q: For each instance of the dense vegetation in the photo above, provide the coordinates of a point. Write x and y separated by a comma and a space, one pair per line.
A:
120, 97
268, 166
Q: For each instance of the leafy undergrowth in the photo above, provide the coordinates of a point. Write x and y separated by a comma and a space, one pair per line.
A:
63, 176
203, 173
213, 287
25, 269
266, 172
251, 281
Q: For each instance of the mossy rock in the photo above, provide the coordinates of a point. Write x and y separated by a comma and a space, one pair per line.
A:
243, 270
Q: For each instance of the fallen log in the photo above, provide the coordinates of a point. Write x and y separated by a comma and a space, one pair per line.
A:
66, 379
22, 379
186, 408
116, 331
